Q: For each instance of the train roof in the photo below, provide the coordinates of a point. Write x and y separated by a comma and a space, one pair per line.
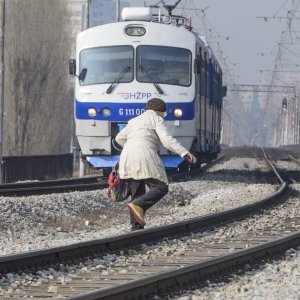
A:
144, 16
114, 34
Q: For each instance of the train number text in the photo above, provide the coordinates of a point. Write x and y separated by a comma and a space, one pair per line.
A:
131, 111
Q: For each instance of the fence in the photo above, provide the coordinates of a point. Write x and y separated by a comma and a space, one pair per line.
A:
47, 167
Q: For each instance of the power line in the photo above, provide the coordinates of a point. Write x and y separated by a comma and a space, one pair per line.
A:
262, 88
278, 18
280, 71
288, 38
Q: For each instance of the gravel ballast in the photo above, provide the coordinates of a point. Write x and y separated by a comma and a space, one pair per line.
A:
87, 215
35, 222
278, 279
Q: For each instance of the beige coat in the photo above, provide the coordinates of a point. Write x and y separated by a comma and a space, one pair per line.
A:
140, 140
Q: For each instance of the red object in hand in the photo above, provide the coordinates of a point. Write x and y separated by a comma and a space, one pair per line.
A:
191, 158
113, 180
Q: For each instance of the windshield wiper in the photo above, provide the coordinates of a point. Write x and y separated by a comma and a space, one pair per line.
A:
117, 80
151, 80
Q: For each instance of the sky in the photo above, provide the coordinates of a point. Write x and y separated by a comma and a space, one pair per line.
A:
248, 43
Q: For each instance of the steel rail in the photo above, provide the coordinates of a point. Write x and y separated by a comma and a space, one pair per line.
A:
295, 160
81, 184
52, 186
273, 167
183, 277
289, 175
165, 282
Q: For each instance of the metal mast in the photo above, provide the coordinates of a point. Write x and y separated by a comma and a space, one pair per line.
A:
2, 30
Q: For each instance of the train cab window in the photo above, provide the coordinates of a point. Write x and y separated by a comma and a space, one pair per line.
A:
165, 65
107, 64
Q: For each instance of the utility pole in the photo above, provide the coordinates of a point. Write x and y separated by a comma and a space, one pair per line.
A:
87, 14
85, 17
297, 119
2, 30
118, 10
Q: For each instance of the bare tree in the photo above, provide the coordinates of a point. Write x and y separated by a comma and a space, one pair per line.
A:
38, 105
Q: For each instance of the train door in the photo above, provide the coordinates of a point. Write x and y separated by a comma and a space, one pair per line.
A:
210, 101
214, 102
204, 84
198, 117
208, 110
203, 100
219, 105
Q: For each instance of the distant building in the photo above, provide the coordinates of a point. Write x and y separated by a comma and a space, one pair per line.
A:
100, 12
104, 11
76, 13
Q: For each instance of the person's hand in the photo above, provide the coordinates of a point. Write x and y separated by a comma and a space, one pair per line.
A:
190, 158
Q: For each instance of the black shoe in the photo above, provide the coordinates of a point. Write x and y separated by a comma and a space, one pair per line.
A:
136, 227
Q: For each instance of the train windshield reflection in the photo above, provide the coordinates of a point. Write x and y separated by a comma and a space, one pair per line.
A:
166, 65
104, 64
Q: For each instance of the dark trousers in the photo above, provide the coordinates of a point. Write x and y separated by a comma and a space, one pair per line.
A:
157, 190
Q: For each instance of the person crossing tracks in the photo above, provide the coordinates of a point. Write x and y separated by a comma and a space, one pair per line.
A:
140, 163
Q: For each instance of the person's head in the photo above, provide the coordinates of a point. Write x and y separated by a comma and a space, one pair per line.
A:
158, 106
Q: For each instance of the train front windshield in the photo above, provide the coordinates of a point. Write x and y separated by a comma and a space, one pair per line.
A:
107, 64
165, 65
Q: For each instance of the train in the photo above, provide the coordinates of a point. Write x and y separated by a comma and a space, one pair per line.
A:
120, 66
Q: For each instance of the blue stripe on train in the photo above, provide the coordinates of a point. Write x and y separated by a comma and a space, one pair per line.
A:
127, 111
109, 161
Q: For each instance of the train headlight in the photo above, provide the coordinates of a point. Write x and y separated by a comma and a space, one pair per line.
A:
106, 112
92, 112
135, 31
178, 112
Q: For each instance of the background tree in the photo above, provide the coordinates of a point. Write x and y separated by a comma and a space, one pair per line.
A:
38, 100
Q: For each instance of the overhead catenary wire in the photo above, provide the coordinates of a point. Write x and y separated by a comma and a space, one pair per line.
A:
286, 36
284, 72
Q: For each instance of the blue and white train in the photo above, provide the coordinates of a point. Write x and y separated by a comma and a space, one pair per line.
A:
120, 66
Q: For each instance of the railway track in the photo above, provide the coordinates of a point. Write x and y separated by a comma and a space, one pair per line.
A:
287, 163
52, 186
138, 275
81, 184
